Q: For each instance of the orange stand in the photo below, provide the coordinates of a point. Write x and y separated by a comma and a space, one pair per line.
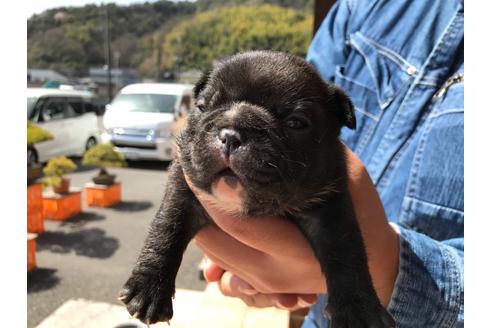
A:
35, 222
103, 196
31, 251
61, 207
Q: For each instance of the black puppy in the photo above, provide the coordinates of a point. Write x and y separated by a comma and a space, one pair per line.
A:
265, 123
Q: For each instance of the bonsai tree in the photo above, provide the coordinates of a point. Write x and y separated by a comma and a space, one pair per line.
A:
35, 135
104, 156
54, 171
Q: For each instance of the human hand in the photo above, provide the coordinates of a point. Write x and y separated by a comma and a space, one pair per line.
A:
232, 285
268, 262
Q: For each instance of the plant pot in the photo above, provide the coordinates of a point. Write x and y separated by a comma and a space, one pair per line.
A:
105, 179
33, 172
63, 188
31, 251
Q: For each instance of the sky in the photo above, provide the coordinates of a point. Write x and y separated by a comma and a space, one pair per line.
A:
37, 6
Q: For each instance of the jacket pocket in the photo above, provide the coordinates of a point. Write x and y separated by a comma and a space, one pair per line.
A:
434, 197
373, 75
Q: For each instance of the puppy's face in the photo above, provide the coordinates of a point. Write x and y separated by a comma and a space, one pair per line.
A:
267, 126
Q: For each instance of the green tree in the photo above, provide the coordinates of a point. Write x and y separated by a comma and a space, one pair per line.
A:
197, 42
297, 4
71, 39
53, 49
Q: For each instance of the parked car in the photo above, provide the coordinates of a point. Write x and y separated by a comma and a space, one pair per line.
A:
139, 119
70, 115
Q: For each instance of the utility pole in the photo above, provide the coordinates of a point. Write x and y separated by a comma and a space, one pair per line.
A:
108, 54
158, 45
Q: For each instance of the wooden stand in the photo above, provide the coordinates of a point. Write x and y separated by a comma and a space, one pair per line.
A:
31, 251
103, 196
35, 222
61, 207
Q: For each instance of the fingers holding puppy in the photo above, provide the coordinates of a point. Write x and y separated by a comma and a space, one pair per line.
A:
233, 286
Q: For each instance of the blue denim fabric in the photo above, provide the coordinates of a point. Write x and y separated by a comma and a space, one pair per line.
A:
401, 62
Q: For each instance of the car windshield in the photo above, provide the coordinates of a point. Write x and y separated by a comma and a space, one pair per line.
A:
151, 103
31, 101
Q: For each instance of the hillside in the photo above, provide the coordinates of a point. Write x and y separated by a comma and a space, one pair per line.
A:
72, 39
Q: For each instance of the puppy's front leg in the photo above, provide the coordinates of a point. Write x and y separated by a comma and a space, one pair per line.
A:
335, 236
151, 286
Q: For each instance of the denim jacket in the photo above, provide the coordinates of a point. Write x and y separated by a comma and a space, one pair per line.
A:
401, 62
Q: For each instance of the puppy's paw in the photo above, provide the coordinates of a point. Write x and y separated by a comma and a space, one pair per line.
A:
147, 299
355, 318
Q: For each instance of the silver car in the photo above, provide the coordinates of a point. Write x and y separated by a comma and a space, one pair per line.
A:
139, 119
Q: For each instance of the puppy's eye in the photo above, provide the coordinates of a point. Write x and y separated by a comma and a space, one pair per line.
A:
200, 105
296, 123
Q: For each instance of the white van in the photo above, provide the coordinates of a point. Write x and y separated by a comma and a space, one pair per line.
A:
139, 119
70, 115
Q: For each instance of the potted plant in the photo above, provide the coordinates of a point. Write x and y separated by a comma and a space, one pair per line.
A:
104, 156
54, 171
35, 135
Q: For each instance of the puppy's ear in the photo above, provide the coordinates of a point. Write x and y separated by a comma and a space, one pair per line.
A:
345, 110
200, 84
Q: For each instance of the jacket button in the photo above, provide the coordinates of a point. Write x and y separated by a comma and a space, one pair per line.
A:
411, 70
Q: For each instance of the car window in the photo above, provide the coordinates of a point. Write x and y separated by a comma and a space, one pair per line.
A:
152, 103
31, 103
75, 107
34, 108
96, 108
69, 111
53, 110
89, 107
184, 106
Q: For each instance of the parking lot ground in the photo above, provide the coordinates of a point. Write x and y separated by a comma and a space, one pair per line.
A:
91, 255
192, 309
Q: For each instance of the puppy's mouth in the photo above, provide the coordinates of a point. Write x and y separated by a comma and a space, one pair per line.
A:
229, 191
229, 177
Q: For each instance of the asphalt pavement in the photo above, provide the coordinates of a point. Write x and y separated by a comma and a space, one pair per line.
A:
91, 255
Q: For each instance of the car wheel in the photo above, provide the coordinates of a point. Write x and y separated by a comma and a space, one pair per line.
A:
32, 156
90, 143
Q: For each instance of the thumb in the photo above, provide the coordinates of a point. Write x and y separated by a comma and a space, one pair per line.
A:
212, 271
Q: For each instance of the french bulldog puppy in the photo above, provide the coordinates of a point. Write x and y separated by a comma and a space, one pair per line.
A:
267, 124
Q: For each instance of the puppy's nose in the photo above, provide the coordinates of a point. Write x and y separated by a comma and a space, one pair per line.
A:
230, 141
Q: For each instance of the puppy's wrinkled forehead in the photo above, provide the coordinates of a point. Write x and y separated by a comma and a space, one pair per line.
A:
276, 82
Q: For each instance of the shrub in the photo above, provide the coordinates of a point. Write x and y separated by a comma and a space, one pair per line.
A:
35, 134
104, 156
55, 169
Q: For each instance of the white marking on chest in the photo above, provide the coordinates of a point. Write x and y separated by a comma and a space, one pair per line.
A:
229, 206
227, 195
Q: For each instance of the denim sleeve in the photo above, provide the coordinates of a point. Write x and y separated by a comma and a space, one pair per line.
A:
429, 289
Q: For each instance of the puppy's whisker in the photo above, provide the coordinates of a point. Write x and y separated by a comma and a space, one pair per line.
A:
284, 180
293, 161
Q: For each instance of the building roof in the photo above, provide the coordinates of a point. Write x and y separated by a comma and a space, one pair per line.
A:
42, 75
157, 88
121, 76
40, 92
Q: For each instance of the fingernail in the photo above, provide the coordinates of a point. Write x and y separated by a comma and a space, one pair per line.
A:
303, 303
280, 306
247, 291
